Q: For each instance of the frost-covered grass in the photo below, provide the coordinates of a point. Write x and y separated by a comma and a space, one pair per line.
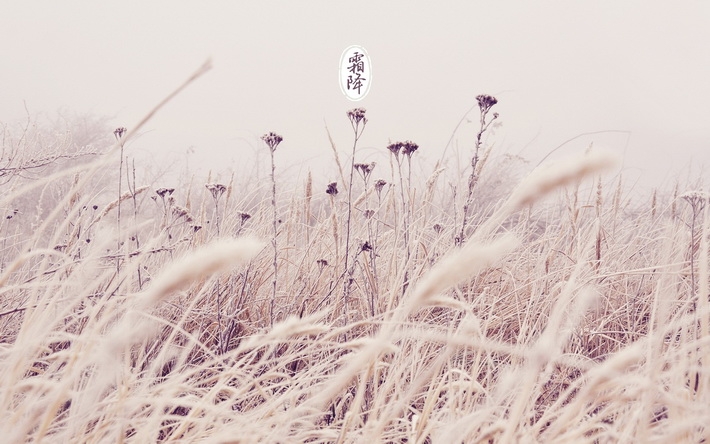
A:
565, 316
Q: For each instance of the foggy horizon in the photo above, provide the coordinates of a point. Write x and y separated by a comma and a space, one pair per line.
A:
629, 78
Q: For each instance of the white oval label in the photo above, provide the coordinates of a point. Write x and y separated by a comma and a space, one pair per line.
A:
355, 73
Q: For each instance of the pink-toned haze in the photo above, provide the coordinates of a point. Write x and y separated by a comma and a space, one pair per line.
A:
638, 71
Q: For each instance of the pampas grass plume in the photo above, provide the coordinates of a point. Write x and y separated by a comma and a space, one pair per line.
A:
459, 265
211, 258
542, 181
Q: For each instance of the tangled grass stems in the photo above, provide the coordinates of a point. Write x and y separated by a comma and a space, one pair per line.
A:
520, 333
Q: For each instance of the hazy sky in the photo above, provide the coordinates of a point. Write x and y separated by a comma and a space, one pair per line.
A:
558, 69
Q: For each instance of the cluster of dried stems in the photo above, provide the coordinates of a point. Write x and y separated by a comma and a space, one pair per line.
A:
541, 322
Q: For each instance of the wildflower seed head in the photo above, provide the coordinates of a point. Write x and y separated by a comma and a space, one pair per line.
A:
322, 263
272, 140
368, 213
366, 246
379, 185
395, 148
486, 102
164, 191
365, 169
332, 188
357, 115
696, 198
409, 147
244, 216
179, 212
119, 132
217, 189
438, 228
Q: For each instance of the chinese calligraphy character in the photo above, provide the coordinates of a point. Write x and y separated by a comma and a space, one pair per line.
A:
355, 73
357, 67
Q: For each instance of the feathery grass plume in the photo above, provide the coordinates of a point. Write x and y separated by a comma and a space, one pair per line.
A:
188, 199
336, 156
75, 194
361, 198
291, 327
542, 181
127, 195
598, 206
654, 202
307, 206
458, 265
599, 203
674, 208
431, 182
209, 259
617, 207
483, 160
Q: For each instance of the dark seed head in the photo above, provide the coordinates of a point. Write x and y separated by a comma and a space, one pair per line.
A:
485, 102
332, 188
356, 115
272, 140
119, 132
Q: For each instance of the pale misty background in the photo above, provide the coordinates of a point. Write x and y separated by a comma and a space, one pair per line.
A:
637, 71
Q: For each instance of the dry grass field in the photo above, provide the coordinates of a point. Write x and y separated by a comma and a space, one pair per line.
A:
383, 308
